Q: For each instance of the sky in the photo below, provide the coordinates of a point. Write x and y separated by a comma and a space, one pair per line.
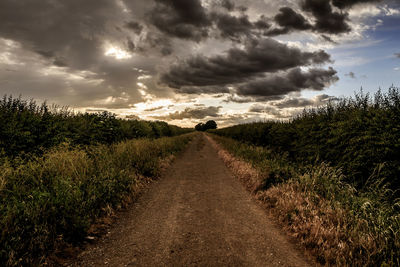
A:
189, 61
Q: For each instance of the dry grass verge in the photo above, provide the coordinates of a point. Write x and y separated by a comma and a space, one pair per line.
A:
338, 225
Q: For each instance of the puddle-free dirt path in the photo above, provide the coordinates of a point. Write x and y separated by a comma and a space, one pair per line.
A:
198, 214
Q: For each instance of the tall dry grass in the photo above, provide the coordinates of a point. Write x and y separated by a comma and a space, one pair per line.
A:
55, 198
340, 225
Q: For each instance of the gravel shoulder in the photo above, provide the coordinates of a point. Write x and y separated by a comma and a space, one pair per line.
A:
197, 214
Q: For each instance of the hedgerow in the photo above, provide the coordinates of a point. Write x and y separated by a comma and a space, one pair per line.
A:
57, 196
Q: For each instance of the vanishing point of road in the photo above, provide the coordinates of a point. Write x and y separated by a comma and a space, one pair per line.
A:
197, 214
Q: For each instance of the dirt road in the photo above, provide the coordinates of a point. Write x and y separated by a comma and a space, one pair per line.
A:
198, 214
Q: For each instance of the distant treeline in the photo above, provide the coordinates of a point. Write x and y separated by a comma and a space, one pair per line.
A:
29, 128
360, 135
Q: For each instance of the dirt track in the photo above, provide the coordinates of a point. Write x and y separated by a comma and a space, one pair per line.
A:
198, 214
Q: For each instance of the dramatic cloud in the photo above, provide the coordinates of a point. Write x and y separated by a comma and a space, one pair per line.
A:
233, 27
192, 113
349, 3
292, 81
143, 58
181, 18
73, 68
239, 65
289, 20
55, 28
330, 21
327, 20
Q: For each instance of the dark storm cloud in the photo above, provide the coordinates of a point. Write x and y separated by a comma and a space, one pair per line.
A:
262, 23
293, 81
233, 27
289, 20
239, 65
203, 89
185, 19
327, 20
192, 113
342, 4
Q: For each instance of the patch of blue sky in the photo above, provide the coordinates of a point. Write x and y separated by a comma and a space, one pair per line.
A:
372, 60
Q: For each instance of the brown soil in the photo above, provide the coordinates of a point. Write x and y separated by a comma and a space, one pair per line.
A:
198, 214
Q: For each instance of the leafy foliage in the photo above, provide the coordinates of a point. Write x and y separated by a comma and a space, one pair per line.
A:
29, 128
355, 134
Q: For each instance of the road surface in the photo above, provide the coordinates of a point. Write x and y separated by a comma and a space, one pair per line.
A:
197, 214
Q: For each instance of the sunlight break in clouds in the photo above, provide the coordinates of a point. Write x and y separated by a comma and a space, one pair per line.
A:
117, 53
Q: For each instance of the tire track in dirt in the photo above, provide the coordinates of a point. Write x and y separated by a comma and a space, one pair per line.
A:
198, 214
